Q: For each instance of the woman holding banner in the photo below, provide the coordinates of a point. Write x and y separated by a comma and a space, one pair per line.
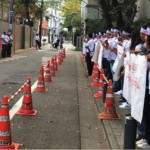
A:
145, 143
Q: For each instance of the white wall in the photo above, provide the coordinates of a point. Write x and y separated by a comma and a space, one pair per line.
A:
143, 7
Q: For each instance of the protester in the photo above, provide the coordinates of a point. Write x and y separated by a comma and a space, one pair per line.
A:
126, 43
145, 143
90, 48
137, 42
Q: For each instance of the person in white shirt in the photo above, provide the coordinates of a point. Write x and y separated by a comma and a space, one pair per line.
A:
9, 44
90, 48
37, 41
113, 47
4, 44
106, 63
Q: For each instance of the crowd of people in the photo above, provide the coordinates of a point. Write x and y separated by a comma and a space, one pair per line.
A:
6, 44
133, 41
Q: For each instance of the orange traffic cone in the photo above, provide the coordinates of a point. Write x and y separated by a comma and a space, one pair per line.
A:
63, 53
95, 81
99, 94
40, 84
52, 68
5, 128
47, 76
27, 108
55, 63
109, 108
61, 56
95, 67
59, 59
95, 72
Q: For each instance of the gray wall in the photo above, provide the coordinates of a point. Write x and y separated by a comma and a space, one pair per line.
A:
3, 26
18, 37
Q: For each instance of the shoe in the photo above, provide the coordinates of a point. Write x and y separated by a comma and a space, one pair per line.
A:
119, 92
120, 96
144, 145
122, 100
85, 75
125, 105
138, 137
140, 141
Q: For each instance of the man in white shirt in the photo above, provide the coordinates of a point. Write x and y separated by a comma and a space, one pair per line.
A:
4, 44
37, 41
90, 48
9, 44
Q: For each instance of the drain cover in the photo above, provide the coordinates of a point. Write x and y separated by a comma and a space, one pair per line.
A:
9, 83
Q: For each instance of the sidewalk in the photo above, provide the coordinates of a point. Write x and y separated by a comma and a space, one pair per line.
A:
72, 92
114, 129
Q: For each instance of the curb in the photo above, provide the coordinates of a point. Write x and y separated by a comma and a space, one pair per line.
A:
114, 129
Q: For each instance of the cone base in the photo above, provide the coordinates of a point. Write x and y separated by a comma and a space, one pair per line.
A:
108, 116
47, 80
92, 77
94, 83
40, 89
97, 95
32, 112
53, 75
14, 146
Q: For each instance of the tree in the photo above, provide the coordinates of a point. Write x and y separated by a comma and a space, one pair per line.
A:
71, 11
119, 13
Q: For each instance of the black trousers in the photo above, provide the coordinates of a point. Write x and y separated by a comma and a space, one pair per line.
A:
89, 64
8, 47
4, 50
146, 115
106, 66
38, 44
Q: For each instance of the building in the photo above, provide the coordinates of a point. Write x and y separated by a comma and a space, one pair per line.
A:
143, 7
53, 23
89, 10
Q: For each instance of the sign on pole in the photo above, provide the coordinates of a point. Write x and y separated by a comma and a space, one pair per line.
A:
11, 14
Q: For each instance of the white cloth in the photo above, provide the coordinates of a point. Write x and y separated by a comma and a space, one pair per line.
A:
134, 84
112, 43
90, 44
126, 44
4, 38
138, 47
120, 52
84, 49
100, 57
37, 38
148, 67
96, 52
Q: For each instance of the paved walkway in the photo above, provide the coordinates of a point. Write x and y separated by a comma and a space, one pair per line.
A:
114, 129
94, 133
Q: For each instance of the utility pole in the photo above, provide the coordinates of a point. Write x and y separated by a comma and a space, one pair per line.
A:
11, 15
41, 20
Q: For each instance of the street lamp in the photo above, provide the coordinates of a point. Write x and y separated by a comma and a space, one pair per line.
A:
73, 31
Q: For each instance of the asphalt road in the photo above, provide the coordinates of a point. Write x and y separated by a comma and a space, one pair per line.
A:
57, 124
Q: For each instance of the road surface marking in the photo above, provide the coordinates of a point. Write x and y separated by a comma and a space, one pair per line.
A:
17, 106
